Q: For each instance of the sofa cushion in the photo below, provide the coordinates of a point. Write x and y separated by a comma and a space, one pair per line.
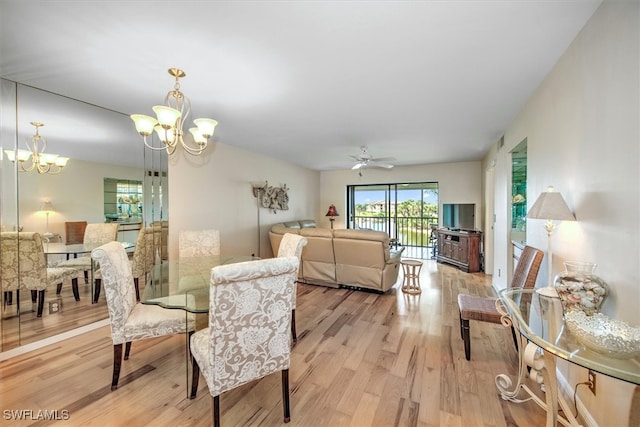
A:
307, 223
292, 224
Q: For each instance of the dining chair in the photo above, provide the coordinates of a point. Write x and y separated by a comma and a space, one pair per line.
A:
94, 235
292, 245
483, 309
74, 232
248, 334
193, 243
132, 321
143, 258
24, 265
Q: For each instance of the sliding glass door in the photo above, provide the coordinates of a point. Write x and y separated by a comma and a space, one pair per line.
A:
405, 211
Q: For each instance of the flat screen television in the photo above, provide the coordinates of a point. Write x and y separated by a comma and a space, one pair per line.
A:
459, 216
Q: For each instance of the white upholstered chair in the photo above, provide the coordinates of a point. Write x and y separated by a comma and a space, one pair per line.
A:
193, 243
292, 245
95, 235
131, 321
248, 334
24, 266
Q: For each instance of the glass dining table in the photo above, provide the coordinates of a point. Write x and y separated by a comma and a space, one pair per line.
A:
77, 249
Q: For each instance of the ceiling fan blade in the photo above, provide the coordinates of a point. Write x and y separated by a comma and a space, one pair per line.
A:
384, 159
357, 166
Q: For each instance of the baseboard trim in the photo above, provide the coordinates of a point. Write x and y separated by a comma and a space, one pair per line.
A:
51, 340
584, 416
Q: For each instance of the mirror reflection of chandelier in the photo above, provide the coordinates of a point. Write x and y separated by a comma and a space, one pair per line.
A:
168, 125
40, 161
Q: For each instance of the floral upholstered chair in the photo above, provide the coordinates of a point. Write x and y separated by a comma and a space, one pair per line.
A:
291, 245
131, 321
248, 333
94, 235
143, 258
24, 266
193, 243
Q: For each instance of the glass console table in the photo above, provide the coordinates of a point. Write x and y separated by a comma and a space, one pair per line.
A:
543, 338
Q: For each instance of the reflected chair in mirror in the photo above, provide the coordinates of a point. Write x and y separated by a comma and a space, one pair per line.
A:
24, 265
94, 235
248, 334
143, 258
195, 243
160, 238
74, 232
483, 309
292, 245
131, 321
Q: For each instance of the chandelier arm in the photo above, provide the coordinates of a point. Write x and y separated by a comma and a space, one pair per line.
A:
144, 138
194, 151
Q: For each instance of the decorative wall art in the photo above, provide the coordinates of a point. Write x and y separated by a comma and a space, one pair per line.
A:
273, 198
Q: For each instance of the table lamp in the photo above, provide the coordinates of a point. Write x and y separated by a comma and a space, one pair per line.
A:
332, 213
550, 206
47, 208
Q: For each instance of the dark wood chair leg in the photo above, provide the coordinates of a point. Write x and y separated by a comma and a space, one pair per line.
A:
117, 362
59, 288
40, 303
135, 282
96, 291
74, 287
34, 295
466, 338
293, 326
195, 377
127, 350
86, 277
8, 297
285, 395
216, 410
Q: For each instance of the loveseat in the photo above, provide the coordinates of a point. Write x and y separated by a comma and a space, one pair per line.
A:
353, 258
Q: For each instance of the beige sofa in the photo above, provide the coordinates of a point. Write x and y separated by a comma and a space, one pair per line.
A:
352, 258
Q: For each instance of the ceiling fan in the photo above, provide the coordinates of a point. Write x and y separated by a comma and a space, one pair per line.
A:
364, 160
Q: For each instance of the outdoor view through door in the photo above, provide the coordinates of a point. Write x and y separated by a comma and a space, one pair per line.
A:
407, 212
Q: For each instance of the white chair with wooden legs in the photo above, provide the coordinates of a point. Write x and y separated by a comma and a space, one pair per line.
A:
131, 321
292, 245
483, 309
248, 334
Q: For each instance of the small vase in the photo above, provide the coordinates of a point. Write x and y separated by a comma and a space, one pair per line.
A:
580, 289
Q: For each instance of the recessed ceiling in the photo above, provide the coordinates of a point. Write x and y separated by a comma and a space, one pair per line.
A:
306, 82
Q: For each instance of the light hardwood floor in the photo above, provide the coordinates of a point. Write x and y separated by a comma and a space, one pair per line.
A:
362, 359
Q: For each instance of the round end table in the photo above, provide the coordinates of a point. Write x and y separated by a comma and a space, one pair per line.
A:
411, 282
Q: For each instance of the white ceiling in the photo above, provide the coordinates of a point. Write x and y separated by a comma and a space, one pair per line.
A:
308, 82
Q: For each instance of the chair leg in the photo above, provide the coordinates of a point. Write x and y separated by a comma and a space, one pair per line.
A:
96, 291
293, 326
34, 295
8, 297
466, 337
74, 287
135, 282
285, 395
195, 377
117, 362
40, 303
216, 410
127, 350
86, 277
59, 288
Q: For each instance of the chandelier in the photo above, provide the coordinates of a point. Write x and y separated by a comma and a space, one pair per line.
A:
168, 125
40, 161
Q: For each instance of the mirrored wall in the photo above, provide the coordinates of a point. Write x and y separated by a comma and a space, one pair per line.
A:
100, 144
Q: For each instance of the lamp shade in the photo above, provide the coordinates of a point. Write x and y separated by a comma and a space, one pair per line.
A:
332, 211
47, 206
550, 206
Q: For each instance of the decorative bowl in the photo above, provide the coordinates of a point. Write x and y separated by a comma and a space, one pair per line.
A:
603, 335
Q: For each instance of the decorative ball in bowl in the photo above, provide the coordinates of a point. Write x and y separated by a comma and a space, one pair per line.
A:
603, 335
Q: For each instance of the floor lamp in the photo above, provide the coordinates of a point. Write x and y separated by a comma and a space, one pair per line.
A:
47, 208
550, 206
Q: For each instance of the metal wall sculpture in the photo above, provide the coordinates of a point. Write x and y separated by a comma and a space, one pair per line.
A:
273, 198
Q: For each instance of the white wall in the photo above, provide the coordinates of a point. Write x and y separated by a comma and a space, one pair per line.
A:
76, 194
215, 191
582, 126
458, 183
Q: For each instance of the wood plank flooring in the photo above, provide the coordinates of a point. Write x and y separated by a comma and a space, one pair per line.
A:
362, 359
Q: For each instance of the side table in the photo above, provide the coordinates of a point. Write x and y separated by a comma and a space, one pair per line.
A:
411, 282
